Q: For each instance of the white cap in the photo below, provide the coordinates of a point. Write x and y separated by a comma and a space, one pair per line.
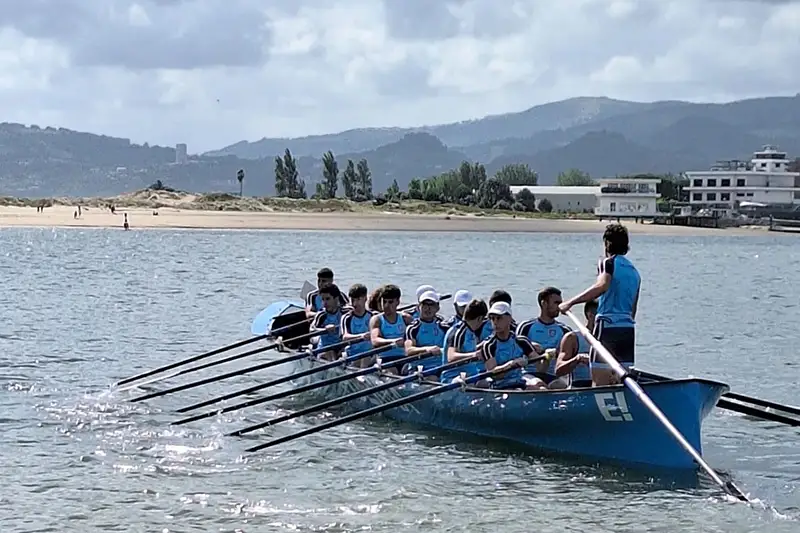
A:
423, 289
428, 296
462, 298
500, 308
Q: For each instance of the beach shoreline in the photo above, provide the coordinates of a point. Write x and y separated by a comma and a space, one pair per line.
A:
61, 216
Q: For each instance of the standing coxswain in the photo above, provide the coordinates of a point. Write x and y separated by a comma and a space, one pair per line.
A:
355, 325
314, 298
389, 326
617, 291
326, 322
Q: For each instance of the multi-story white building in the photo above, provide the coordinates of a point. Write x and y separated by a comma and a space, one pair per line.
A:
627, 197
765, 179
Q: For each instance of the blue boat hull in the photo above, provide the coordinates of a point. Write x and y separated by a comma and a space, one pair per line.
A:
600, 424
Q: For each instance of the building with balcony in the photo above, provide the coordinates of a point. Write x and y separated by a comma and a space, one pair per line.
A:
627, 197
765, 180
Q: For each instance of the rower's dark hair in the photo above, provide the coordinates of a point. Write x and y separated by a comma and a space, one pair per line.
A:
616, 239
390, 292
357, 291
500, 296
546, 293
477, 308
331, 289
325, 273
590, 307
374, 300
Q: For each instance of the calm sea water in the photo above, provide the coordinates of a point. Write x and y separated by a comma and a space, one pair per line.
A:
82, 308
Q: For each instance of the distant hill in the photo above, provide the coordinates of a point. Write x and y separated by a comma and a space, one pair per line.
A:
601, 136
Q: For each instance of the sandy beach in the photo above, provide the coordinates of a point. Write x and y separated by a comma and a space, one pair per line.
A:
172, 218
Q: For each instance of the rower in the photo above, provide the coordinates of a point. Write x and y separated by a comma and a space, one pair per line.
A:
425, 336
617, 291
461, 342
501, 296
461, 298
355, 325
314, 299
326, 322
389, 326
547, 332
414, 313
374, 300
506, 352
573, 357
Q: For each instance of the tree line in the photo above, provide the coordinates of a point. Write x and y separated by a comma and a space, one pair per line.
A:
467, 185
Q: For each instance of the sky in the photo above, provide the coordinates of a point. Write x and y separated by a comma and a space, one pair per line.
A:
214, 72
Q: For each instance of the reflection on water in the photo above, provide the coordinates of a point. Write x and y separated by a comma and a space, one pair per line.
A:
83, 308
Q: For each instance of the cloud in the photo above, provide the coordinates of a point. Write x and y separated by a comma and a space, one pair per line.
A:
212, 72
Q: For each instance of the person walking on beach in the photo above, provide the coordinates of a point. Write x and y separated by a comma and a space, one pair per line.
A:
617, 290
125, 223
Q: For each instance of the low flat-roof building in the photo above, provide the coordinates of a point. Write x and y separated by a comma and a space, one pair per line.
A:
564, 199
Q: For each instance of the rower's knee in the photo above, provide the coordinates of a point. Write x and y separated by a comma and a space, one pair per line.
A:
534, 383
557, 384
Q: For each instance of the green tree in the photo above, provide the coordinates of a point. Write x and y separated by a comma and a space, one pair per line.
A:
240, 178
281, 185
393, 192
363, 180
295, 187
517, 174
493, 191
349, 180
545, 206
526, 199
415, 189
574, 178
330, 173
671, 188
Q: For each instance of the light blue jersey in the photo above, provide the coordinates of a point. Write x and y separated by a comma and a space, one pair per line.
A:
504, 351
548, 336
355, 325
391, 331
324, 318
464, 340
314, 299
615, 306
426, 334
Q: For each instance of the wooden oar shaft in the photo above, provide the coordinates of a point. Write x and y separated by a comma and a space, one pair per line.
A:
296, 375
205, 355
231, 374
377, 409
629, 382
290, 392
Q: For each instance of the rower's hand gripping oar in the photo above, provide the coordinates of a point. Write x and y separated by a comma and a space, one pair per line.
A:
291, 392
419, 375
344, 360
206, 355
460, 382
629, 382
253, 368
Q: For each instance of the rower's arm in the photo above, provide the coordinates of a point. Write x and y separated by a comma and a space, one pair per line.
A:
375, 333
310, 312
344, 329
317, 322
411, 342
568, 355
453, 355
604, 272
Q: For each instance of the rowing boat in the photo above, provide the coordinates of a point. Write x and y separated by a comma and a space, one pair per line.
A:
600, 424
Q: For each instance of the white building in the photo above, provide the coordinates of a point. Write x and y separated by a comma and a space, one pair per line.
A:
627, 197
565, 199
181, 156
765, 179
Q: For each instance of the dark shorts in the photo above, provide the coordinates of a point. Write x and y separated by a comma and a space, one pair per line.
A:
621, 342
581, 384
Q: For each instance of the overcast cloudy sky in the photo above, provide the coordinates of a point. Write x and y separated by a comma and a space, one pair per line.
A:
212, 72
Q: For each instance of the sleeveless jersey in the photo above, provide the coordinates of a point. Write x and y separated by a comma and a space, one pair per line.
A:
581, 372
426, 334
464, 340
395, 330
504, 351
545, 335
615, 306
324, 318
314, 299
354, 325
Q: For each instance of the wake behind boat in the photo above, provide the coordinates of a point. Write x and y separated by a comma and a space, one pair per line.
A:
606, 424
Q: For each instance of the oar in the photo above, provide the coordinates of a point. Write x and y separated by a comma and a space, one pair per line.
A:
206, 355
358, 394
629, 382
377, 367
739, 407
459, 382
734, 396
246, 370
284, 379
